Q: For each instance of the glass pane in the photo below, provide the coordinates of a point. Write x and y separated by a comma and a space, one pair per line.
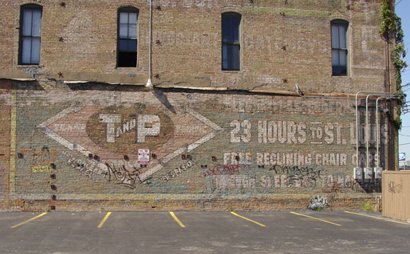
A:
127, 46
132, 46
26, 51
36, 23
226, 32
27, 17
132, 18
236, 26
132, 32
342, 34
335, 57
224, 57
230, 27
342, 58
123, 17
232, 30
235, 57
35, 51
226, 38
122, 46
335, 36
127, 59
123, 31
230, 57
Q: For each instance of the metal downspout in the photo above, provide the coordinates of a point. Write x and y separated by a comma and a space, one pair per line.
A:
149, 82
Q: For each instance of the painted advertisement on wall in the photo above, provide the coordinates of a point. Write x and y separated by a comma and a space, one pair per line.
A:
97, 142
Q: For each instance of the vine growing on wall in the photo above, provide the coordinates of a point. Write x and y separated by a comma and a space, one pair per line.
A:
391, 30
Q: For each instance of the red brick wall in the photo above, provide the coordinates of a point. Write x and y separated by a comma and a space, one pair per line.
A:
287, 126
85, 145
282, 44
5, 114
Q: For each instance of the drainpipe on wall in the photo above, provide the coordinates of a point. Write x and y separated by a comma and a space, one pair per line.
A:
358, 171
378, 133
149, 82
377, 169
368, 172
378, 127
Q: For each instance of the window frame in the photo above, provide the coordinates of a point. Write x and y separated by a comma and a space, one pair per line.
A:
23, 8
233, 43
339, 23
128, 10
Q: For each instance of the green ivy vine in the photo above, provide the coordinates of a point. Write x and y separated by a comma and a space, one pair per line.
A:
391, 29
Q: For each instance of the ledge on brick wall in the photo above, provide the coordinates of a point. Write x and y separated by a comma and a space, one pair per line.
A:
187, 202
17, 75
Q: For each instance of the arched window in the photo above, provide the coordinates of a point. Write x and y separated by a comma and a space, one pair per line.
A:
127, 41
231, 23
30, 34
339, 47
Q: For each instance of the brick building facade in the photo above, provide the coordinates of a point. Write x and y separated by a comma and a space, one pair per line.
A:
253, 103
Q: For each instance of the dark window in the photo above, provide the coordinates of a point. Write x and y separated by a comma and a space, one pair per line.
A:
30, 34
231, 46
339, 48
127, 37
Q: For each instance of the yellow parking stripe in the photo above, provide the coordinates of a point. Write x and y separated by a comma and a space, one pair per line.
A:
177, 220
104, 220
377, 218
314, 218
29, 220
247, 219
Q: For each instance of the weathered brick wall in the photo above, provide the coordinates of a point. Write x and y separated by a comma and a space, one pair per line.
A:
88, 145
75, 145
5, 139
283, 43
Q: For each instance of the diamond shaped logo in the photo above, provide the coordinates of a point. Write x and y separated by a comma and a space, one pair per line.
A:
116, 132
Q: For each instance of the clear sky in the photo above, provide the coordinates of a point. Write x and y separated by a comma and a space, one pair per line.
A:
403, 11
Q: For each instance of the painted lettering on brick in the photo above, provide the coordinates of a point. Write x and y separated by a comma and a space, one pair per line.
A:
141, 122
129, 128
312, 133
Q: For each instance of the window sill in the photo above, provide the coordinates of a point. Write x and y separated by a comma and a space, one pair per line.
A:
127, 68
231, 71
29, 65
340, 76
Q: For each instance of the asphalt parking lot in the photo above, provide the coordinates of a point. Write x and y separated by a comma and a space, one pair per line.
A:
202, 232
